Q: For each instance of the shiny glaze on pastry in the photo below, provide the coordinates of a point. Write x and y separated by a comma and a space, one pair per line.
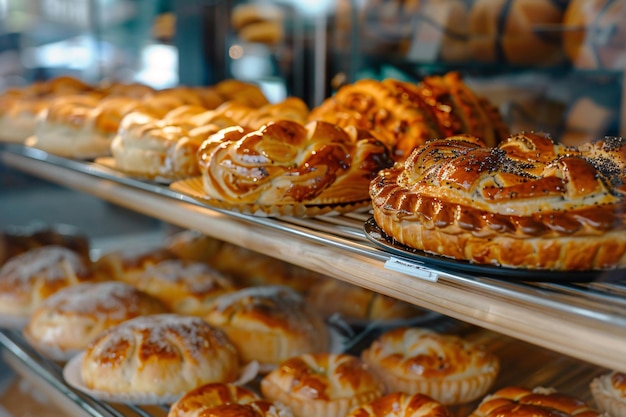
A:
285, 162
526, 203
399, 404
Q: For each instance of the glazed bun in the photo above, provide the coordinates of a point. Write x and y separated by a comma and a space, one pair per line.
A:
527, 203
447, 368
609, 393
399, 404
540, 402
276, 318
225, 400
163, 354
28, 279
321, 384
71, 318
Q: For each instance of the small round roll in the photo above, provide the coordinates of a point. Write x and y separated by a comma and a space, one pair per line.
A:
162, 354
399, 404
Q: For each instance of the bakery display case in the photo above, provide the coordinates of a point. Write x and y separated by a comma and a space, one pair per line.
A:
558, 74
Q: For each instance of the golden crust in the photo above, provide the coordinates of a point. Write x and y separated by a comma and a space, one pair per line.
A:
276, 318
285, 163
539, 402
445, 367
402, 405
160, 355
528, 203
321, 384
609, 393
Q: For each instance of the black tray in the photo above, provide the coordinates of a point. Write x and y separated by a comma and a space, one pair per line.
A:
377, 236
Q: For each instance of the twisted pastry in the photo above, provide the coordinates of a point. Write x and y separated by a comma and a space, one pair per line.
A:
526, 203
285, 162
405, 115
538, 402
399, 404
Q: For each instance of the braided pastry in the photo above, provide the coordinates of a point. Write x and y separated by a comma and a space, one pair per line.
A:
538, 402
609, 393
286, 163
225, 400
321, 384
399, 404
528, 203
445, 367
406, 115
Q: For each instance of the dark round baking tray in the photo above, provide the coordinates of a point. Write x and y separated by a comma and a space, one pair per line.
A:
378, 237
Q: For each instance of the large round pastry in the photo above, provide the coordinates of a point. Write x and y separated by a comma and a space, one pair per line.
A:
321, 384
527, 203
445, 367
400, 404
72, 317
538, 402
275, 318
162, 354
405, 115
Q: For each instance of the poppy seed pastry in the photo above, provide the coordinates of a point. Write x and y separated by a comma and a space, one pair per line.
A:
609, 393
268, 324
162, 354
445, 367
225, 400
31, 277
539, 402
400, 404
526, 203
321, 384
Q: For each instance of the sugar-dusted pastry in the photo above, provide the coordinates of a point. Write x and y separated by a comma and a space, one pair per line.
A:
225, 400
289, 163
269, 324
400, 404
527, 203
609, 393
443, 366
321, 384
28, 279
163, 354
537, 402
406, 115
67, 321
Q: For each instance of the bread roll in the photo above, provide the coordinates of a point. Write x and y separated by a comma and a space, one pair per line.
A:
321, 384
528, 203
28, 279
609, 393
70, 319
445, 367
190, 245
163, 354
540, 402
269, 324
399, 404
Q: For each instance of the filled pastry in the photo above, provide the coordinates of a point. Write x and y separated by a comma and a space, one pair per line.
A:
400, 404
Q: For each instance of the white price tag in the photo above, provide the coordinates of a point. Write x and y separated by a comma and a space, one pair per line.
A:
410, 268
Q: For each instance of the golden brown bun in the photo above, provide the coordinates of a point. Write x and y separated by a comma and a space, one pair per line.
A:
291, 108
354, 303
225, 400
405, 115
445, 367
28, 279
609, 393
597, 34
321, 384
402, 405
72, 317
159, 354
132, 90
539, 402
288, 163
190, 245
241, 91
528, 203
269, 324
520, 32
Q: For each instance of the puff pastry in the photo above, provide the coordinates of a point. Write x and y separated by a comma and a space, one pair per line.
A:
400, 404
540, 402
527, 203
406, 115
288, 163
445, 367
321, 384
609, 393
